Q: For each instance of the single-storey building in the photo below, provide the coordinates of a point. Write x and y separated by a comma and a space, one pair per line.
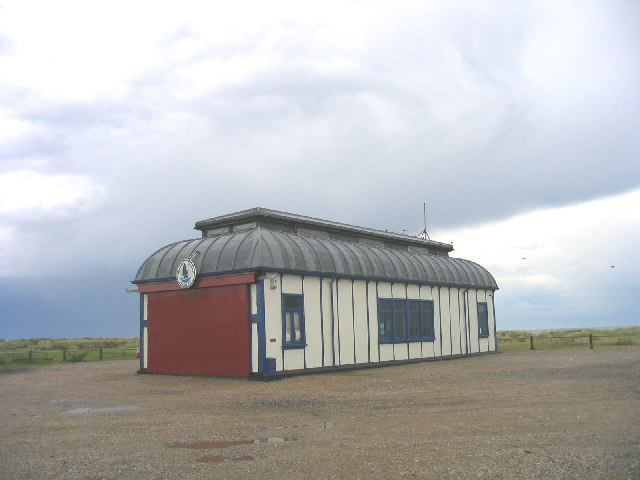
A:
264, 293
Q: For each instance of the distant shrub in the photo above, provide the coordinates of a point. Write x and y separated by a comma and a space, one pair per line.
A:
77, 357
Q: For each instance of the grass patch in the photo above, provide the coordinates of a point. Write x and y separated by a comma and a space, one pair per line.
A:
567, 338
26, 352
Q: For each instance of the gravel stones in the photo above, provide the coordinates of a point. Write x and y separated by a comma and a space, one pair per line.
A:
571, 413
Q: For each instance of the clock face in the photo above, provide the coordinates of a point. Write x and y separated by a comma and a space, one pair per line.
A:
186, 273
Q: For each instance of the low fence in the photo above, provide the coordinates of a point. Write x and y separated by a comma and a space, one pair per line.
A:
68, 355
545, 342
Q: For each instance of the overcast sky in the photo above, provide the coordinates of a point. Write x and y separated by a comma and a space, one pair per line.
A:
123, 123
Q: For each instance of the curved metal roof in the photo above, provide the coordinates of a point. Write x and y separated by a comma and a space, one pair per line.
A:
263, 249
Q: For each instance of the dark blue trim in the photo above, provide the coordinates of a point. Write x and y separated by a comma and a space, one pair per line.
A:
143, 324
283, 271
406, 294
293, 347
258, 319
483, 321
424, 307
302, 342
333, 327
478, 322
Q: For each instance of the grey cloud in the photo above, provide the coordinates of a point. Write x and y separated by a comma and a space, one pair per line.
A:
434, 107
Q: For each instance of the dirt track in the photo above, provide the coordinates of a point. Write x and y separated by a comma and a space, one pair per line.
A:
541, 414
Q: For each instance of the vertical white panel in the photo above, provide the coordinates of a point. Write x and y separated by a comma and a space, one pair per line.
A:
437, 312
345, 315
484, 342
415, 350
492, 321
386, 349
273, 320
253, 306
328, 320
291, 283
361, 325
400, 350
473, 320
145, 336
373, 321
428, 348
145, 309
146, 347
254, 347
445, 321
294, 358
398, 290
313, 331
386, 352
455, 320
384, 290
413, 291
253, 299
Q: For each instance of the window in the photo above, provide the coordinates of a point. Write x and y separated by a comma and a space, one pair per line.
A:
293, 321
405, 320
483, 320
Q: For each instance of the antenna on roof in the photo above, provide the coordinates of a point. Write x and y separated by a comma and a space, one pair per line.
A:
423, 233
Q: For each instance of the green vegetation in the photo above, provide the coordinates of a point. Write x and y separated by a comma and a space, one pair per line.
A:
563, 338
26, 352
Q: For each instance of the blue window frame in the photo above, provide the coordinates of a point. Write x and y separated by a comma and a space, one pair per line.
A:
403, 320
483, 319
293, 335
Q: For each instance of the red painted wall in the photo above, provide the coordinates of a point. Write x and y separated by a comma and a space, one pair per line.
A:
202, 331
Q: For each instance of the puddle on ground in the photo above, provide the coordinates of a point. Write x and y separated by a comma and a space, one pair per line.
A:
274, 440
323, 426
229, 443
220, 459
78, 411
213, 444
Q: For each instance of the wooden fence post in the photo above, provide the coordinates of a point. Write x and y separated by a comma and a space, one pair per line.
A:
591, 341
64, 354
30, 356
100, 353
531, 342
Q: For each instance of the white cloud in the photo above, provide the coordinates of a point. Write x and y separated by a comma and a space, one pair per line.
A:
347, 110
30, 194
553, 263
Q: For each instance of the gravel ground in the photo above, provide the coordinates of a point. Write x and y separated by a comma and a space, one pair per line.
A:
537, 414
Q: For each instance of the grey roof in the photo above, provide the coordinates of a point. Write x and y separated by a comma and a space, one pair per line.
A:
312, 227
261, 249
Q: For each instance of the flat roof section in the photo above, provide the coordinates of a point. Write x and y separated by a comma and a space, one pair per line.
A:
317, 228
